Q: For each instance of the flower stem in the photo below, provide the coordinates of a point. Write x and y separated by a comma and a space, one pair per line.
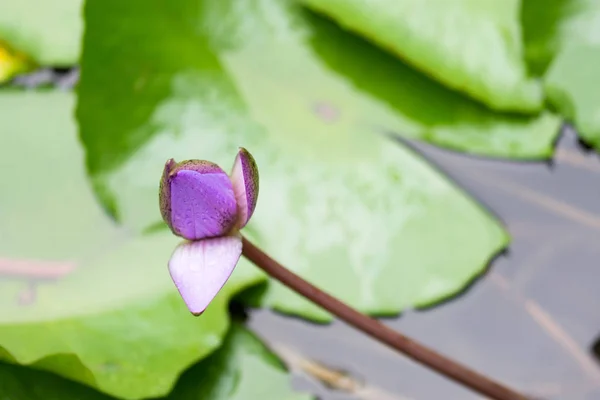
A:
372, 327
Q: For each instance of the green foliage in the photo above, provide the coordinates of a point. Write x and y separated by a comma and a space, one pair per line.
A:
340, 203
242, 369
552, 25
563, 40
47, 31
471, 46
110, 317
572, 85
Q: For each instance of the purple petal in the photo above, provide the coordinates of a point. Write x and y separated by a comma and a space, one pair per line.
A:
200, 269
244, 177
202, 201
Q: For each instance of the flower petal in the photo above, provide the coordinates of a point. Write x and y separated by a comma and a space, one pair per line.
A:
202, 200
244, 177
199, 269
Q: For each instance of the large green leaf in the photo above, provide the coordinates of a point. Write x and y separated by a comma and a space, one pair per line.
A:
473, 46
563, 40
241, 369
551, 25
48, 31
78, 295
573, 86
325, 70
395, 98
340, 203
21, 383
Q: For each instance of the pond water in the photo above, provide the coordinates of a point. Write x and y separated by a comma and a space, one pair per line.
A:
531, 322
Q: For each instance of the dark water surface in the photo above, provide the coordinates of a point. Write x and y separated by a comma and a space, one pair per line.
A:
532, 321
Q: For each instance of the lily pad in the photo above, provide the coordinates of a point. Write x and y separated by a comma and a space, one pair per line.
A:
80, 296
47, 31
294, 52
243, 368
240, 369
563, 41
471, 46
341, 202
552, 25
572, 86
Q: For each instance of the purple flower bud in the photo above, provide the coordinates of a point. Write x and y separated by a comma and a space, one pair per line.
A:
201, 203
197, 199
199, 269
244, 177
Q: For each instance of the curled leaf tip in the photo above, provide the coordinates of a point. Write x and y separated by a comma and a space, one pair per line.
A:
244, 177
200, 268
197, 199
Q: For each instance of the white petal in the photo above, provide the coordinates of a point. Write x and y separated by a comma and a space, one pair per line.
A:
200, 268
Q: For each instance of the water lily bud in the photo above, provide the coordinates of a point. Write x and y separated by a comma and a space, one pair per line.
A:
244, 177
197, 199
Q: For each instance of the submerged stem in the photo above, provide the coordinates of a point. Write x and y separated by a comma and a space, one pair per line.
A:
372, 327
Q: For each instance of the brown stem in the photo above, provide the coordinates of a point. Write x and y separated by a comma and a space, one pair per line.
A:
379, 331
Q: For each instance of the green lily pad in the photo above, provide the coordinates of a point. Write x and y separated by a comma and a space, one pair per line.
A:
551, 25
471, 46
294, 52
47, 31
80, 296
241, 369
563, 41
21, 383
340, 202
572, 86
